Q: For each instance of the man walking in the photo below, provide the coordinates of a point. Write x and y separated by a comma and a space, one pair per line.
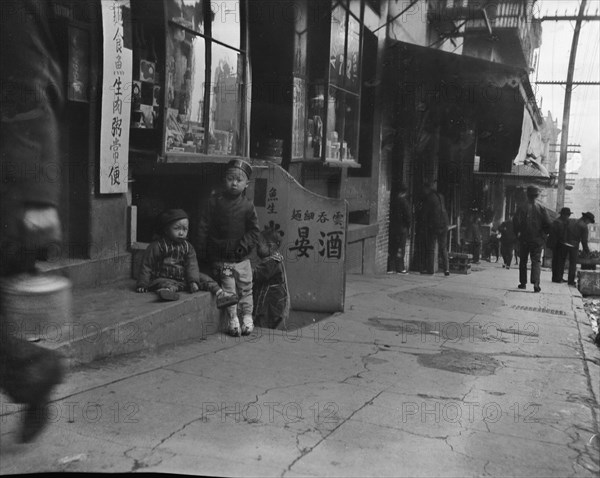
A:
577, 232
558, 244
32, 94
531, 224
400, 219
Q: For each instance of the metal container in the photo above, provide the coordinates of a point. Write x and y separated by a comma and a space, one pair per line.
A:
34, 306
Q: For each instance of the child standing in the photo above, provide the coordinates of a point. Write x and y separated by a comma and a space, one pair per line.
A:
227, 232
169, 263
271, 294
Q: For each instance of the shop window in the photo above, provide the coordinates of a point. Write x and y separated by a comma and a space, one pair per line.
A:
334, 119
205, 63
148, 61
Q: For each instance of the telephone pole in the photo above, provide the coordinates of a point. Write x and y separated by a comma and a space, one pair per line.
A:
564, 136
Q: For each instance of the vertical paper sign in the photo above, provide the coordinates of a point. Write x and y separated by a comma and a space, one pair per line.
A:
116, 93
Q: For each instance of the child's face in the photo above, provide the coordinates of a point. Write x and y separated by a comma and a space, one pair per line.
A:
178, 230
265, 248
236, 181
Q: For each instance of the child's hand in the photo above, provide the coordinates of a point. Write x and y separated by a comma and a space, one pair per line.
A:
194, 287
141, 289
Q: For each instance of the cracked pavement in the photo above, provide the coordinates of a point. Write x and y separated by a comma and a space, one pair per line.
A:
420, 376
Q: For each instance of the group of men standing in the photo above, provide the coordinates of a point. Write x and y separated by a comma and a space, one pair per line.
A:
432, 229
565, 237
531, 227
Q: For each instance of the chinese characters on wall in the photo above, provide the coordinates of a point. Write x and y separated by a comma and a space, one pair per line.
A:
272, 201
116, 111
328, 229
313, 231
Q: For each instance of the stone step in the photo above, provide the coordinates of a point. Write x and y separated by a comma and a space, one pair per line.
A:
112, 319
87, 273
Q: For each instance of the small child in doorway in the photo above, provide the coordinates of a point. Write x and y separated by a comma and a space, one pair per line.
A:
169, 263
271, 294
227, 233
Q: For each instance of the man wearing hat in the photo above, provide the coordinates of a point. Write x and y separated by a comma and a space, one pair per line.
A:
558, 243
531, 224
577, 232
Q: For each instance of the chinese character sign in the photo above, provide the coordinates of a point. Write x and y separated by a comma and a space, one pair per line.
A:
314, 234
117, 75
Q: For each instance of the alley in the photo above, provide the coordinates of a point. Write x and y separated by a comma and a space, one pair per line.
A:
421, 376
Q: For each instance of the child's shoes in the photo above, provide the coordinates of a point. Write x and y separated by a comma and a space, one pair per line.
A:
225, 300
167, 294
234, 327
247, 325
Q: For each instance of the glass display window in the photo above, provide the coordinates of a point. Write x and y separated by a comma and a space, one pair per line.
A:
342, 125
205, 68
334, 102
315, 126
337, 45
225, 26
225, 105
187, 13
351, 80
186, 58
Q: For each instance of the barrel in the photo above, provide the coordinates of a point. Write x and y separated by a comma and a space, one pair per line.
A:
34, 306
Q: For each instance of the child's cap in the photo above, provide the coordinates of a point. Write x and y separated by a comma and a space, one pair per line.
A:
271, 236
170, 215
240, 164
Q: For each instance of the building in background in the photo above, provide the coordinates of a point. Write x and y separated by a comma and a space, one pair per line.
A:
350, 97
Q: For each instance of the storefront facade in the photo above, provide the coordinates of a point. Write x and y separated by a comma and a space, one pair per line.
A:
162, 94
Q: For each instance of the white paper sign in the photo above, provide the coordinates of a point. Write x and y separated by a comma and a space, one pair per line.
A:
116, 107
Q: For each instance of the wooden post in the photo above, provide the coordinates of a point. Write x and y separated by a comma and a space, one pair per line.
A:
564, 138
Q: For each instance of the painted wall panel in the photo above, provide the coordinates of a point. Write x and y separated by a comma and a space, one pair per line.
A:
314, 231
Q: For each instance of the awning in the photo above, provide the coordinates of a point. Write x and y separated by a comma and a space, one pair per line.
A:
493, 94
531, 148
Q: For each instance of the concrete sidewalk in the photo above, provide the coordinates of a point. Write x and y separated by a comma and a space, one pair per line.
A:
421, 376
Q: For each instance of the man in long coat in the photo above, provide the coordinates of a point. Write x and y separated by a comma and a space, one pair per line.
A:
531, 224
31, 96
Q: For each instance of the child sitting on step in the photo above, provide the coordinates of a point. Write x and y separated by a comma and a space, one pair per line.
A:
169, 263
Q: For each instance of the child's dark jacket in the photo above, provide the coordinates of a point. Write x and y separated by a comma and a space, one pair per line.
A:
228, 228
271, 295
169, 259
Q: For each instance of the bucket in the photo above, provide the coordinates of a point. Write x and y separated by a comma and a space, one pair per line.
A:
35, 306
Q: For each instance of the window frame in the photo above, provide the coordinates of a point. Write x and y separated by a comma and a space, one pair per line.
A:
210, 96
331, 153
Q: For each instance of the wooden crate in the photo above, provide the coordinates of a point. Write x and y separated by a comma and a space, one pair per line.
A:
460, 269
589, 282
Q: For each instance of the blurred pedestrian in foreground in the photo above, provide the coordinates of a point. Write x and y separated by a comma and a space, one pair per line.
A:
577, 232
32, 96
432, 224
558, 243
400, 219
507, 242
531, 224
